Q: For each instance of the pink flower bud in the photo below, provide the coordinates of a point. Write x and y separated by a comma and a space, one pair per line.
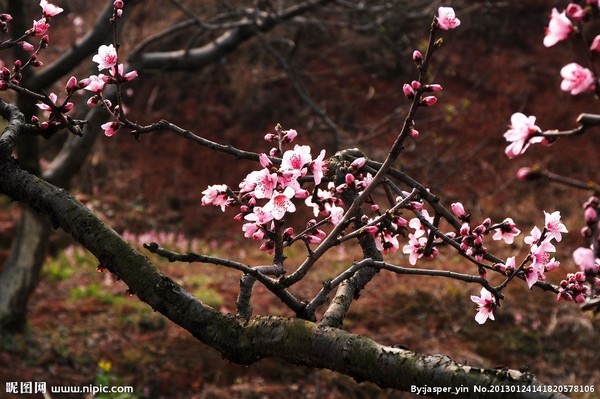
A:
415, 84
575, 12
3, 85
270, 137
118, 4
414, 133
35, 120
595, 46
375, 207
71, 84
265, 161
129, 76
350, 178
417, 57
5, 17
68, 107
435, 87
408, 90
358, 163
26, 46
458, 209
45, 41
428, 101
290, 135
590, 215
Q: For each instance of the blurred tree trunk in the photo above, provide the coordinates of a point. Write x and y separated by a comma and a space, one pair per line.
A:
22, 268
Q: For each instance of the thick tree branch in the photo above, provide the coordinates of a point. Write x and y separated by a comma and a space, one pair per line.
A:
294, 340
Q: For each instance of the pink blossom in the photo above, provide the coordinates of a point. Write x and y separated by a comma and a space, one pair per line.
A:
521, 133
559, 28
48, 9
534, 236
280, 203
96, 83
252, 230
335, 213
106, 57
507, 231
317, 166
415, 223
259, 215
446, 18
554, 225
216, 195
260, 183
40, 27
576, 79
414, 248
110, 128
118, 70
295, 160
388, 243
486, 303
586, 260
46, 107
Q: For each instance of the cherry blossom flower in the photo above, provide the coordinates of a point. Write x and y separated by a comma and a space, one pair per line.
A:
280, 203
415, 223
521, 133
216, 195
559, 28
259, 183
414, 248
40, 27
259, 216
252, 230
576, 79
586, 260
46, 107
317, 166
486, 303
388, 243
50, 10
106, 57
96, 83
554, 225
446, 19
110, 128
507, 231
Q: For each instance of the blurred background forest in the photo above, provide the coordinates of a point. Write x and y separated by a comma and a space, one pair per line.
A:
336, 77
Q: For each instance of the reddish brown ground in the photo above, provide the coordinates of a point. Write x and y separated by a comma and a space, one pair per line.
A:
491, 67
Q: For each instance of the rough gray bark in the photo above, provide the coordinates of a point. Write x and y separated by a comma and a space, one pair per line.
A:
297, 341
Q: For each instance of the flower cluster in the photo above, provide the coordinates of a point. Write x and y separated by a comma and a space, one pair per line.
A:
265, 196
564, 25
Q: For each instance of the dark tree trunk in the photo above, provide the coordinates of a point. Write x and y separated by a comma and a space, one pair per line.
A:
22, 268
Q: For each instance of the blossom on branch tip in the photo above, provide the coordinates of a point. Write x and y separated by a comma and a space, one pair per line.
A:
559, 28
96, 83
521, 133
216, 195
446, 18
507, 231
575, 12
486, 303
576, 79
428, 100
280, 204
554, 225
39, 27
50, 10
106, 57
